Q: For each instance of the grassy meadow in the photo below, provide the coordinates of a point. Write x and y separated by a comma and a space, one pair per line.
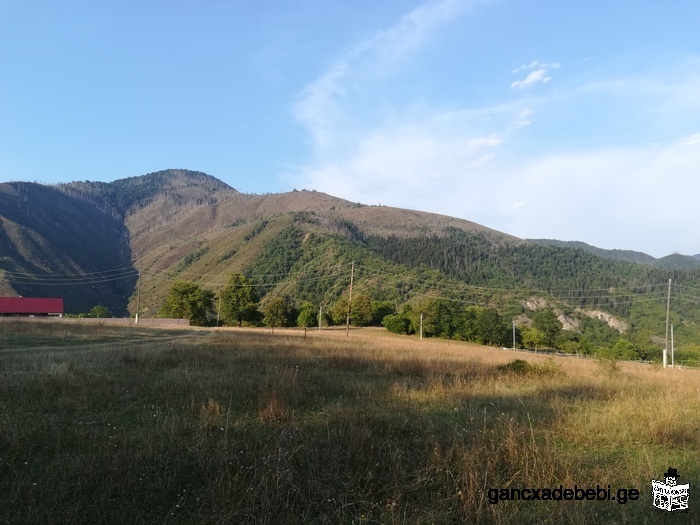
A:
104, 424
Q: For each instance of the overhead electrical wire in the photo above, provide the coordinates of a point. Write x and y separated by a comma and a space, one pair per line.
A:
439, 284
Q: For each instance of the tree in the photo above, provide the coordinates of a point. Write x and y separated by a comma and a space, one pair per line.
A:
439, 317
307, 315
361, 311
397, 324
238, 300
277, 312
339, 311
532, 337
188, 300
545, 320
491, 328
570, 347
380, 309
467, 324
99, 311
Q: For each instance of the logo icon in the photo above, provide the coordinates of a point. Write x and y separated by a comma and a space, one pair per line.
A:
668, 495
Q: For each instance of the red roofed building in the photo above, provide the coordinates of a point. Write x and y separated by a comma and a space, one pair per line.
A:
31, 306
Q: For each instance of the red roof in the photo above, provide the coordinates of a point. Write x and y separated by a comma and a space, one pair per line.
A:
30, 305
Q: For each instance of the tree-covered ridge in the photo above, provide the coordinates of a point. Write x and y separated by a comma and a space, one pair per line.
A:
124, 196
571, 273
670, 262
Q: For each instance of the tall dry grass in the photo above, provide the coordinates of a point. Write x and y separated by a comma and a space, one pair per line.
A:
250, 427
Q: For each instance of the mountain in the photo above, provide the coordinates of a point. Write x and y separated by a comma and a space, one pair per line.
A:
86, 241
672, 262
48, 237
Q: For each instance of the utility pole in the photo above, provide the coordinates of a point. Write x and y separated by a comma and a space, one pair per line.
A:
421, 326
668, 308
138, 296
513, 334
218, 313
320, 316
352, 278
672, 362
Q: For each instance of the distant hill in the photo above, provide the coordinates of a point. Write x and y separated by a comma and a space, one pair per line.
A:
671, 262
85, 241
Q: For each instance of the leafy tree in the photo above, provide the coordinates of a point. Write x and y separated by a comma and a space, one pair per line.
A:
467, 325
491, 328
438, 317
339, 311
532, 337
307, 315
570, 347
277, 312
238, 300
99, 311
398, 324
188, 300
625, 350
380, 309
545, 320
361, 311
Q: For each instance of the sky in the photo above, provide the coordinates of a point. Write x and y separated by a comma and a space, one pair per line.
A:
575, 121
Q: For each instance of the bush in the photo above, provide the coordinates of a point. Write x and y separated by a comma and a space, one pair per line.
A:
525, 368
397, 324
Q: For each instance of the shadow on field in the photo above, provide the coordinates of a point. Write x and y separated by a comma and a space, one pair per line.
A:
248, 429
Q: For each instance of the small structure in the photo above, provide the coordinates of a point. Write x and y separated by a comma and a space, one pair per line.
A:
31, 307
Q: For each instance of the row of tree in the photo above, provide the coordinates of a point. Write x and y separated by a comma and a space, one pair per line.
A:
238, 305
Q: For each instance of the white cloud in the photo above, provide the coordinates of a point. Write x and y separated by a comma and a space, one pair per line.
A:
470, 161
692, 140
536, 64
532, 78
319, 106
519, 124
538, 73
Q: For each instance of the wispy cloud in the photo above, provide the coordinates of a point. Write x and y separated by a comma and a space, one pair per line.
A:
538, 73
320, 104
478, 162
692, 140
536, 64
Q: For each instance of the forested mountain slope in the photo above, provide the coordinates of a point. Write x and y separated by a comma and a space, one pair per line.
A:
85, 241
55, 245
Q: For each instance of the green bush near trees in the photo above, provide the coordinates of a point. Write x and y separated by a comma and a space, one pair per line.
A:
397, 323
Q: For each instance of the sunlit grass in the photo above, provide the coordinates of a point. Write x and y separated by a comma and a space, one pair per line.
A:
245, 426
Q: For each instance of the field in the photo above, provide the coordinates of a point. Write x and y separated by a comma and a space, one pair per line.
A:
121, 425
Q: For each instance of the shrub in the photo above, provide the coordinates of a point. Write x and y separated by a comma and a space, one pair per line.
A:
397, 324
525, 368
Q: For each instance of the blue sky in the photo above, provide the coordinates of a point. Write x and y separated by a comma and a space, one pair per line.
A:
542, 119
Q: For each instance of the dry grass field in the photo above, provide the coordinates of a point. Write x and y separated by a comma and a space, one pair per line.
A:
126, 425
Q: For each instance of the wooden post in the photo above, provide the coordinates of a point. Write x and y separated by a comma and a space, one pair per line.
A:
352, 278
